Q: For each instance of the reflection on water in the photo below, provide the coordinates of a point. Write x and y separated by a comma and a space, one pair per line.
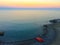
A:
34, 18
25, 20
22, 16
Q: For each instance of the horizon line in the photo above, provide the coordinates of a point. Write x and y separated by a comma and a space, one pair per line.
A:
29, 8
23, 7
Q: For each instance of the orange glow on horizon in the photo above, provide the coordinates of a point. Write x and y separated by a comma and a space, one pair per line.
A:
32, 4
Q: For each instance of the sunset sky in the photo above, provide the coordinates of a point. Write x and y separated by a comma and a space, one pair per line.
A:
30, 3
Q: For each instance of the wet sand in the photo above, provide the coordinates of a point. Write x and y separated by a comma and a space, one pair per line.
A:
57, 40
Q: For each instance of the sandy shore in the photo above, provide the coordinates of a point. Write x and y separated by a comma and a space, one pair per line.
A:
57, 41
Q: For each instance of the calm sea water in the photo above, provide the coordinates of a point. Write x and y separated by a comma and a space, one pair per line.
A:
14, 19
29, 16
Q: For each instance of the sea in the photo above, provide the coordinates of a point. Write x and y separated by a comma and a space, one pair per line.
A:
29, 16
32, 18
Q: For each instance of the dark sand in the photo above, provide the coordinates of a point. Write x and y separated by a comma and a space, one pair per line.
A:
57, 40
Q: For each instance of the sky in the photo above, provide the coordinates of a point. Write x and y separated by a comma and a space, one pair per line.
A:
30, 3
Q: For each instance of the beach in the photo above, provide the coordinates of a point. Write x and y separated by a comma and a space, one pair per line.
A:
57, 40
